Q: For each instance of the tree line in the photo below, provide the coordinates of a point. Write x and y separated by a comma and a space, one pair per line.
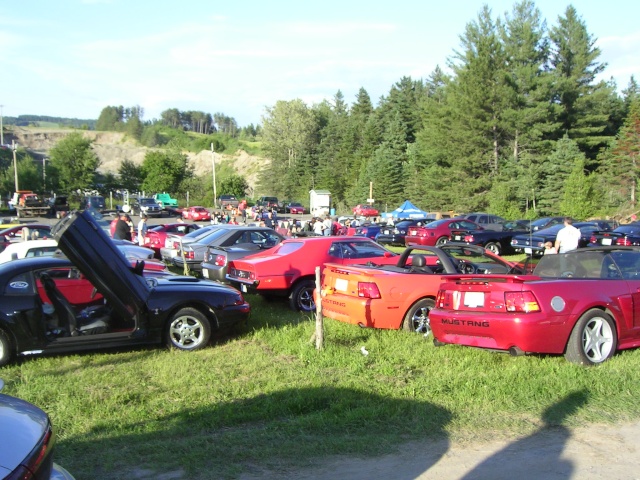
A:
520, 126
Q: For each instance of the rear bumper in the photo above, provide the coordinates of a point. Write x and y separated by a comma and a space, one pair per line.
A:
213, 272
531, 332
367, 312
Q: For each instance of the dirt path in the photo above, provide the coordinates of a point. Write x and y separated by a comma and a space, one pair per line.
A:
597, 451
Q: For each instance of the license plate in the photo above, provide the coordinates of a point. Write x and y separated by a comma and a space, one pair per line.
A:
474, 299
413, 232
386, 232
205, 273
457, 237
606, 241
528, 251
243, 288
341, 284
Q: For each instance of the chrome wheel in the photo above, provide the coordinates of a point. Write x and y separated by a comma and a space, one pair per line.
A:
189, 330
417, 318
593, 339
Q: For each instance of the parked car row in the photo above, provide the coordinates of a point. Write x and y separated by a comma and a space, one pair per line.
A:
96, 295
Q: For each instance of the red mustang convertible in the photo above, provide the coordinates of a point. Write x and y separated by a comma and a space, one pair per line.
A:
584, 304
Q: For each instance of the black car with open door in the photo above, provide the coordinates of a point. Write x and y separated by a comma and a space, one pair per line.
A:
103, 301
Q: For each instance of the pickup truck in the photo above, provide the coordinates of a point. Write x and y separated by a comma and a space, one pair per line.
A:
228, 201
165, 200
496, 242
28, 203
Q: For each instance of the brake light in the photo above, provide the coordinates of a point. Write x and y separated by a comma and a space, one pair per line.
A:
593, 239
468, 238
368, 290
524, 302
189, 254
221, 261
623, 241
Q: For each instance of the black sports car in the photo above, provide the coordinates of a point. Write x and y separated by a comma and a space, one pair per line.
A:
49, 307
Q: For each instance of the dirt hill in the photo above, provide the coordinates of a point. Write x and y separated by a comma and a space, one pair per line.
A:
113, 148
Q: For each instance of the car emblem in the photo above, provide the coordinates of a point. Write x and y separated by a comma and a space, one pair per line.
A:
18, 285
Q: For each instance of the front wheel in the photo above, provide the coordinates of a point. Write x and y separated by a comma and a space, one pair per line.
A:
189, 329
593, 339
417, 318
6, 349
493, 247
302, 296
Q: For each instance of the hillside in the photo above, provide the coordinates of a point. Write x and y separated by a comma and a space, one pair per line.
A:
113, 148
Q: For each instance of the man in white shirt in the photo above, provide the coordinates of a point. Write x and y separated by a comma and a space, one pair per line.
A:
327, 224
142, 229
568, 238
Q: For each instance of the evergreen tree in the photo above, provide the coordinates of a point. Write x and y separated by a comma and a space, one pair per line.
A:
574, 59
578, 197
554, 174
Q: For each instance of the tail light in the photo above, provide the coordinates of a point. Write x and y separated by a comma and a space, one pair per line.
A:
368, 290
189, 254
468, 238
624, 241
443, 299
221, 260
38, 463
524, 302
593, 239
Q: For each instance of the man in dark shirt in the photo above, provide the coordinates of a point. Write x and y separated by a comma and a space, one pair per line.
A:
122, 231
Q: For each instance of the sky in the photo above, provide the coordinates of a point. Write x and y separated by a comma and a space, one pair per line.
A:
72, 58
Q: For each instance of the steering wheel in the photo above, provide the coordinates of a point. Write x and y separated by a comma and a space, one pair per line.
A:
466, 268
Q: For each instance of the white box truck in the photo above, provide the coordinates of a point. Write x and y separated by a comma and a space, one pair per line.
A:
319, 202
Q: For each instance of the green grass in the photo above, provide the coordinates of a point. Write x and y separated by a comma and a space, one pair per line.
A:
264, 397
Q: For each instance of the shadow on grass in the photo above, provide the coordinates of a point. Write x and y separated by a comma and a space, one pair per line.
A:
537, 455
273, 432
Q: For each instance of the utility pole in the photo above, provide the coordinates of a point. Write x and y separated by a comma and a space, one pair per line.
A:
213, 169
14, 147
44, 174
1, 127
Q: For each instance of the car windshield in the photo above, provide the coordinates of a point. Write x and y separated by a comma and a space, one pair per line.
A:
622, 264
147, 201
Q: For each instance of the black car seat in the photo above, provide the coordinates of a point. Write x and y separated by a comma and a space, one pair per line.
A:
419, 265
75, 324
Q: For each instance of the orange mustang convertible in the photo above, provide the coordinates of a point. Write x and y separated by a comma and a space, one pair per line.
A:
402, 295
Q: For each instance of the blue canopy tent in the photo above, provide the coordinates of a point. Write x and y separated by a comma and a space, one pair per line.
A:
406, 210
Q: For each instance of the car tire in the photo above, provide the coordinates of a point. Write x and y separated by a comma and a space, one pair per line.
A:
441, 241
301, 298
493, 247
417, 318
593, 339
188, 329
6, 348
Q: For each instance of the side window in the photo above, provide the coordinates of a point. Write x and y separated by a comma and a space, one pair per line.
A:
20, 285
336, 250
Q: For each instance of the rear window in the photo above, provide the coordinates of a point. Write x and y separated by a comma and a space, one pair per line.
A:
286, 248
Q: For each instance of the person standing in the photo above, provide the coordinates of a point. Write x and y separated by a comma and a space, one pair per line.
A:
121, 232
327, 224
568, 237
142, 229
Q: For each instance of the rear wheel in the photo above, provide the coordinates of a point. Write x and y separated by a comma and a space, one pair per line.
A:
441, 241
6, 349
593, 339
417, 318
302, 296
189, 329
493, 247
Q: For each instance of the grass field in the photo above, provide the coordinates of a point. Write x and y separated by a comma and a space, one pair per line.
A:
265, 397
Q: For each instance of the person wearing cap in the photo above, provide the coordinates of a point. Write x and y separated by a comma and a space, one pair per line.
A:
142, 229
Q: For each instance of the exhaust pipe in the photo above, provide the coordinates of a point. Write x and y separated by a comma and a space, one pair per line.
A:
362, 325
515, 352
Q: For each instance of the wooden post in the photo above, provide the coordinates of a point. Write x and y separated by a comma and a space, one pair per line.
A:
319, 335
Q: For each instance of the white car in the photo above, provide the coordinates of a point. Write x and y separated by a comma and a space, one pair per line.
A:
29, 248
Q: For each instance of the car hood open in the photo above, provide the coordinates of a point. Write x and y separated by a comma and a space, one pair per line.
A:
90, 249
